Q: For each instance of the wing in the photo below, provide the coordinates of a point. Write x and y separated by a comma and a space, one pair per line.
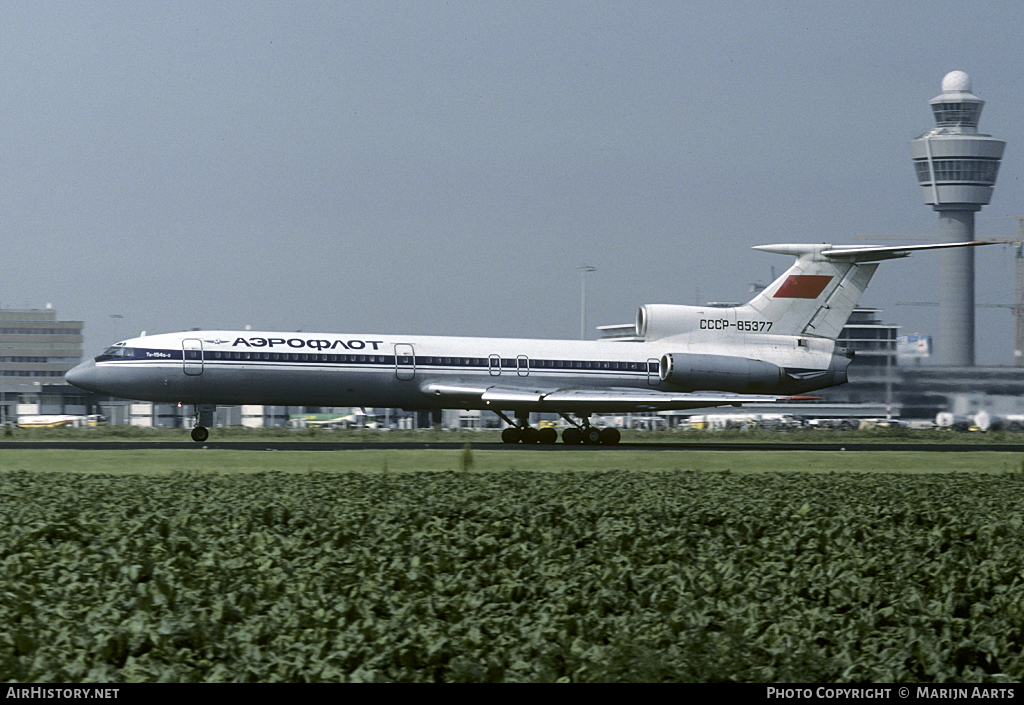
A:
581, 399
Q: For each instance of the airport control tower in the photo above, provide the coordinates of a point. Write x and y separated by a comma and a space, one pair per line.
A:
957, 169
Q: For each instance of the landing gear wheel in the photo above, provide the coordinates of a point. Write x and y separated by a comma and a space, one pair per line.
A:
529, 434
510, 435
572, 436
610, 436
591, 436
200, 434
547, 436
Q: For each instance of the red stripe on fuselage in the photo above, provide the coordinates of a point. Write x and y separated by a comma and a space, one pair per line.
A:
803, 286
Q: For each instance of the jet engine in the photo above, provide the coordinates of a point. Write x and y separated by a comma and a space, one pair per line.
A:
723, 373
655, 321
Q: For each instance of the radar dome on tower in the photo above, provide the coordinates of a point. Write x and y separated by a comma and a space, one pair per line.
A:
956, 81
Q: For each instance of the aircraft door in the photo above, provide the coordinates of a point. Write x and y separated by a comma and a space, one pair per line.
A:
405, 361
522, 366
653, 378
494, 365
192, 356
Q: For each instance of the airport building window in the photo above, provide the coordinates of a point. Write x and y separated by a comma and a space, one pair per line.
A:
956, 114
40, 331
983, 171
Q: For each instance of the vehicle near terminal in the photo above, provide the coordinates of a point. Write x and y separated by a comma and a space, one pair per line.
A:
779, 344
744, 422
333, 421
60, 421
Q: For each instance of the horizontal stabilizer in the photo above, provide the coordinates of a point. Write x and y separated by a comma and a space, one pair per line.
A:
872, 253
817, 294
862, 253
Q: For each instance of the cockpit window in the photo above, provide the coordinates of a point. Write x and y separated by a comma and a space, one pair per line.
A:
118, 351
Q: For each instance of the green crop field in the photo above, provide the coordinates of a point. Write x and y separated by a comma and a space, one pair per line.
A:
210, 565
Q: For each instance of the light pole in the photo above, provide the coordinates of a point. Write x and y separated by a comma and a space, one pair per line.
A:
115, 317
583, 298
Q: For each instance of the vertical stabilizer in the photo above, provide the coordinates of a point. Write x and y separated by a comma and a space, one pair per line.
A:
816, 295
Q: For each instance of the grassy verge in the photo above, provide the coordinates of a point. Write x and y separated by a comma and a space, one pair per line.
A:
391, 461
437, 435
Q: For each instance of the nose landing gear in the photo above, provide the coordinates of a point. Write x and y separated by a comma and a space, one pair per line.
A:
204, 419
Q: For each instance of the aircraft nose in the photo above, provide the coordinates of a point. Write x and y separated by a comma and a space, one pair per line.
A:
83, 376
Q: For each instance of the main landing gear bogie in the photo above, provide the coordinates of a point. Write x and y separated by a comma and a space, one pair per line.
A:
585, 434
529, 435
591, 436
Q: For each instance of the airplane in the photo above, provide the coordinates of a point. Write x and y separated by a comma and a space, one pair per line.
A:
780, 344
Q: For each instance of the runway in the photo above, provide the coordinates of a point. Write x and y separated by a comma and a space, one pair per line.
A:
489, 446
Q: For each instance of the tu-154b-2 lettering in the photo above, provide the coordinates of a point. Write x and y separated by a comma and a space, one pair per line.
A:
779, 344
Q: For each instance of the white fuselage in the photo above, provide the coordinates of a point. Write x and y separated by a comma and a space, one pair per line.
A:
421, 372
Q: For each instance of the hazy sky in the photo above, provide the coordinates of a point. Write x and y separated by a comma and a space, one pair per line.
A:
444, 167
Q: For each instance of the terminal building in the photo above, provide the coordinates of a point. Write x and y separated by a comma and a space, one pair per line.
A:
36, 350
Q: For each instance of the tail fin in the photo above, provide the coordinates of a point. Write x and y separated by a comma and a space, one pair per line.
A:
816, 295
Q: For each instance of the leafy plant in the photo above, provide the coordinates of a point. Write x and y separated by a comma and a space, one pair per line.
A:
515, 576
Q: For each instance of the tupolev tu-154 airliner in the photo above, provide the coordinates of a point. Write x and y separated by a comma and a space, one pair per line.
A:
781, 343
